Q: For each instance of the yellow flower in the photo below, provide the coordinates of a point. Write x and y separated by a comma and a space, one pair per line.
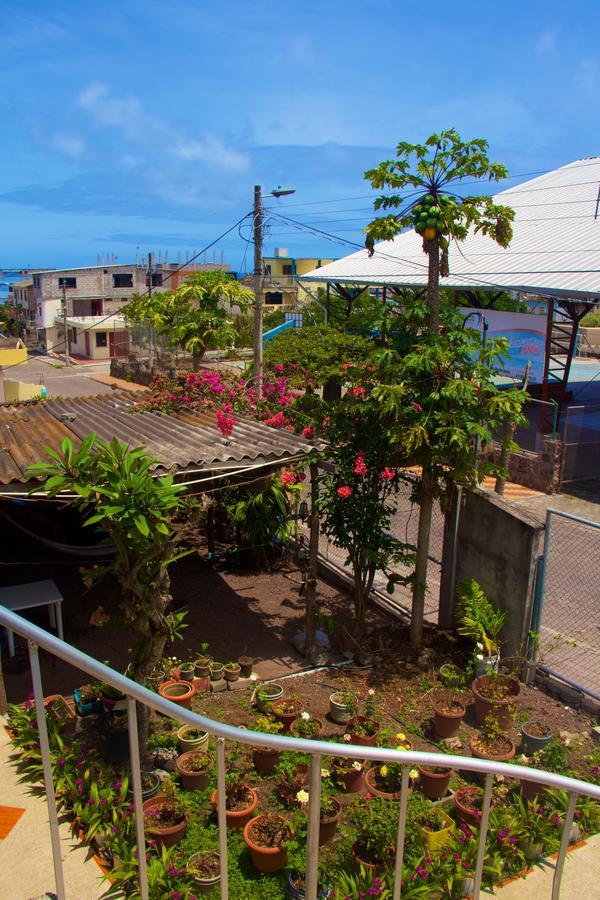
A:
400, 736
383, 770
414, 774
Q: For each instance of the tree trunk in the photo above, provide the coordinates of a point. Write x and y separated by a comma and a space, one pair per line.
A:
427, 480
3, 700
313, 552
196, 360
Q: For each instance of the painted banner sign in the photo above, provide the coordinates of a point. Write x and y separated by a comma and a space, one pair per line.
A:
526, 335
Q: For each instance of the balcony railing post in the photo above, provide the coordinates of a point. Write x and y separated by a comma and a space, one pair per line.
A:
564, 844
40, 713
401, 833
483, 829
136, 784
222, 816
314, 821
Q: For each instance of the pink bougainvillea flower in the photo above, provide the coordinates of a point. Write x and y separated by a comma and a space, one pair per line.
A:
308, 432
359, 392
344, 491
276, 421
360, 467
417, 407
388, 474
301, 477
287, 478
225, 422
279, 367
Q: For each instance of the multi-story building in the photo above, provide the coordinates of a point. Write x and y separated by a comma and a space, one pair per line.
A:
93, 293
282, 272
23, 299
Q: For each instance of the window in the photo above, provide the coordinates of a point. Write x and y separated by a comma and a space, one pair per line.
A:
123, 280
274, 298
36, 281
268, 270
157, 279
67, 282
100, 339
287, 270
72, 335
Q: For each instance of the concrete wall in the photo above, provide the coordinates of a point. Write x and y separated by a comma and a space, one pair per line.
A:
20, 390
498, 545
540, 470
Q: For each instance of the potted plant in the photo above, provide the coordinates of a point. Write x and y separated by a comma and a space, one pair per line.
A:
267, 837
437, 828
348, 774
492, 742
448, 713
240, 799
202, 663
265, 758
110, 696
116, 737
375, 834
535, 736
216, 671
385, 780
246, 663
496, 695
531, 823
191, 738
342, 706
434, 781
297, 887
481, 622
231, 671
187, 671
165, 817
287, 710
331, 811
363, 729
267, 694
553, 758
468, 801
194, 767
180, 692
451, 675
87, 700
307, 726
150, 785
205, 870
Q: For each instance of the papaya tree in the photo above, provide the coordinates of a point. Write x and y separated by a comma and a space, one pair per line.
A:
423, 192
194, 316
117, 491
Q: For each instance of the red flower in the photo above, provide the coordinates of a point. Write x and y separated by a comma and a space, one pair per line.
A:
276, 421
344, 492
359, 392
225, 422
417, 407
287, 478
360, 467
388, 474
308, 431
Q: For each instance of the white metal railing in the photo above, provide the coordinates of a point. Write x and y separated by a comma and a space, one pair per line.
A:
37, 637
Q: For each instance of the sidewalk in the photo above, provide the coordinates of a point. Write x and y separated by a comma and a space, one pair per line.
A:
26, 851
581, 877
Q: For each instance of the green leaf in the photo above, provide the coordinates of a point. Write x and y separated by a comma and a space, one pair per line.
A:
141, 524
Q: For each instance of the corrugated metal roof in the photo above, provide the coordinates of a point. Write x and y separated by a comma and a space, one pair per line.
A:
555, 249
181, 441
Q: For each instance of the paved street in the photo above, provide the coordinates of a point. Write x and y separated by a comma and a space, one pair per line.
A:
60, 380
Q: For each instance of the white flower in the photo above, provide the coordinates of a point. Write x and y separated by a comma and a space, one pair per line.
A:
302, 796
371, 692
324, 773
347, 738
357, 765
479, 656
306, 716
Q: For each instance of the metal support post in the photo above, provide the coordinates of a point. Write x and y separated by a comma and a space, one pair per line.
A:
314, 818
40, 713
222, 816
136, 784
401, 833
564, 844
483, 828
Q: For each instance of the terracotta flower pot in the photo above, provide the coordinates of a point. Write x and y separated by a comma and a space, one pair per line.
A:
353, 780
465, 812
192, 779
265, 759
170, 836
237, 818
447, 724
286, 718
294, 730
503, 756
502, 710
373, 789
434, 784
375, 869
266, 859
180, 692
362, 740
328, 825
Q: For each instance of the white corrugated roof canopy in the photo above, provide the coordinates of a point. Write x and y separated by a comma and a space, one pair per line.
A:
555, 250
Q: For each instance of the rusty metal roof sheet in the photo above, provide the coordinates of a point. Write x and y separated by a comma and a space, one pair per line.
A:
181, 441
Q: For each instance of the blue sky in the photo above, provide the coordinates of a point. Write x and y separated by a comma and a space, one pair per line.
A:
147, 124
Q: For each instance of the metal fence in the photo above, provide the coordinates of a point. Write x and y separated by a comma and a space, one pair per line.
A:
317, 749
581, 443
568, 611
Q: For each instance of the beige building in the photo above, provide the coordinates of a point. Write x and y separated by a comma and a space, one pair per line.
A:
281, 285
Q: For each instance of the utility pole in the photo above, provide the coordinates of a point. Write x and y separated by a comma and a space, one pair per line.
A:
149, 273
257, 223
64, 312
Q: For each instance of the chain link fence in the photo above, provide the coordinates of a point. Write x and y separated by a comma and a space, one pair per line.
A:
569, 638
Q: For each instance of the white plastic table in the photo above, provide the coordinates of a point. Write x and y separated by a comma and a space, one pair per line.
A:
29, 596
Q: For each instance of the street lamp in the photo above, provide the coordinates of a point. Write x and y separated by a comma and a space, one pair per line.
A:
257, 227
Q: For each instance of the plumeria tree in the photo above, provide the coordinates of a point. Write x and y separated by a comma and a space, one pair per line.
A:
194, 316
423, 190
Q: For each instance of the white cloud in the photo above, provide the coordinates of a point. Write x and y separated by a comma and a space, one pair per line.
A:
546, 41
69, 145
211, 149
